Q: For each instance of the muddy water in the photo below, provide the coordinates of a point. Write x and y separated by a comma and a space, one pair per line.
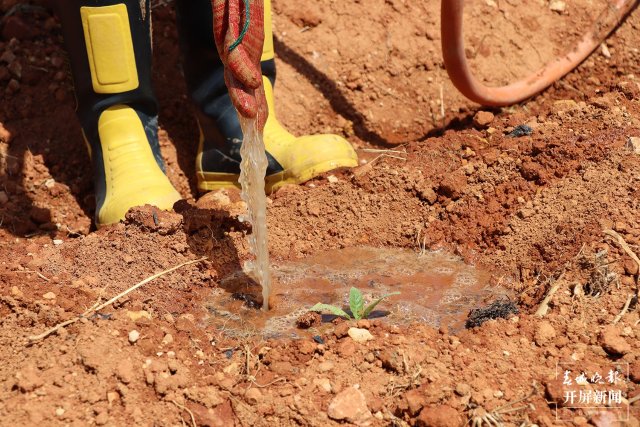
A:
253, 168
435, 289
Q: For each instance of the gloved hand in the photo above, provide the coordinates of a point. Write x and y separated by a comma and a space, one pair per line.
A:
241, 54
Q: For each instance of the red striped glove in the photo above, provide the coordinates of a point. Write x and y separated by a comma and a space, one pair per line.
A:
239, 41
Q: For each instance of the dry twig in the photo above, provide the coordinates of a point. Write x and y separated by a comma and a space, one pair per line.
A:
544, 306
624, 309
94, 309
184, 408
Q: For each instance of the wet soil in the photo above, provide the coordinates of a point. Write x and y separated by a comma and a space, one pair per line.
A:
529, 211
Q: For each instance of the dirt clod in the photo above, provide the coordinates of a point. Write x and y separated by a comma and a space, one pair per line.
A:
612, 342
483, 119
545, 333
309, 320
350, 405
439, 416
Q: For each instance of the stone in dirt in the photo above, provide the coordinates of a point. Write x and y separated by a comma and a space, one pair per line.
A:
415, 401
341, 330
350, 405
391, 360
308, 320
558, 6
545, 333
253, 396
360, 335
134, 336
482, 119
49, 295
612, 342
439, 416
555, 391
633, 144
453, 185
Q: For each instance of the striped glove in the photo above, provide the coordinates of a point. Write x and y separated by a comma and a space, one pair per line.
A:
238, 27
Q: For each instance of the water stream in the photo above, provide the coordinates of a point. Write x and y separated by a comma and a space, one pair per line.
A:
253, 168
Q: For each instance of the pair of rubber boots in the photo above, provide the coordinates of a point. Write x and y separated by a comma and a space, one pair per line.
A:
109, 44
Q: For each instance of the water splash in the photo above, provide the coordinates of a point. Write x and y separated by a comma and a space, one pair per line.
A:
435, 288
253, 168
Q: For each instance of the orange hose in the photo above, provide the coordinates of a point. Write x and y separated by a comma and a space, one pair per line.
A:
457, 67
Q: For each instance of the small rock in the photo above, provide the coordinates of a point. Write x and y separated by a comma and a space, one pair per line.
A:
49, 295
462, 389
544, 334
253, 396
325, 366
605, 419
332, 179
391, 360
630, 267
168, 339
439, 416
137, 315
40, 215
557, 6
308, 320
483, 119
612, 342
415, 401
58, 242
633, 144
360, 335
125, 371
341, 330
350, 405
134, 336
59, 412
3, 198
564, 105
112, 396
323, 384
453, 185
364, 324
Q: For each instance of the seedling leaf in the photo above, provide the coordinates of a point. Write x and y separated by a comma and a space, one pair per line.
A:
356, 303
319, 307
370, 307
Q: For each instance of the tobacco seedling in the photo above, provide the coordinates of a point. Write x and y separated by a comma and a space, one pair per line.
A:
356, 305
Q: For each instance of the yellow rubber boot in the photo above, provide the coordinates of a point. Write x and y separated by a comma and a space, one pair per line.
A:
291, 159
131, 174
302, 158
109, 46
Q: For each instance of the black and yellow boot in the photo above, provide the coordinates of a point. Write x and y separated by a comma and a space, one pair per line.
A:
109, 45
292, 160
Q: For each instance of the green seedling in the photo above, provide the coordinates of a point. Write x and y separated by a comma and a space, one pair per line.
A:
356, 305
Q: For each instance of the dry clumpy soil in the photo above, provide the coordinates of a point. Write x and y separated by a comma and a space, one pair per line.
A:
531, 210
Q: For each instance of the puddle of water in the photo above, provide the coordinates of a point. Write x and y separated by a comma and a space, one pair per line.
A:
435, 289
253, 168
